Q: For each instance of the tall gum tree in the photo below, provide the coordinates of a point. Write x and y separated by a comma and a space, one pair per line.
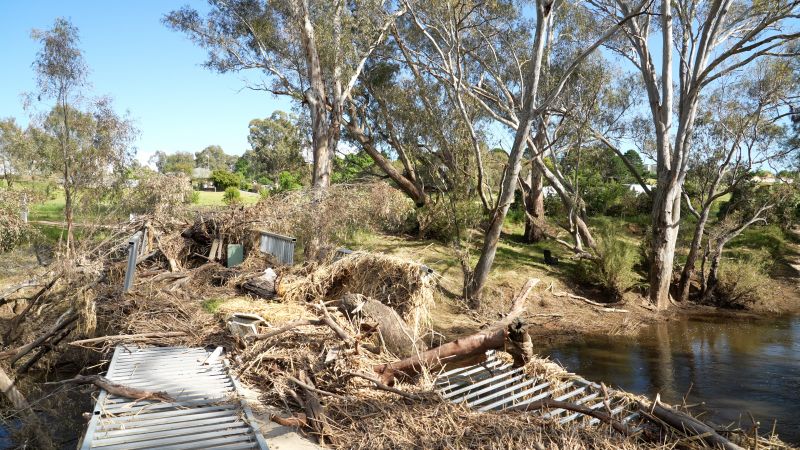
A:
312, 52
518, 104
703, 42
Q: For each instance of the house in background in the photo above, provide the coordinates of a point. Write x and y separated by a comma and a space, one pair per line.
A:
201, 179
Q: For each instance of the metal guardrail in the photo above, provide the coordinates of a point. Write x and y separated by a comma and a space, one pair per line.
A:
342, 252
494, 385
279, 246
205, 413
134, 249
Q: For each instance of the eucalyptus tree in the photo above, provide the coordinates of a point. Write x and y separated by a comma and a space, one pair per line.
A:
690, 45
276, 145
96, 157
312, 52
15, 150
490, 58
83, 147
737, 131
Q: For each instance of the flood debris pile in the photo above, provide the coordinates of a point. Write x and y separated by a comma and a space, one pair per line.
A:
342, 350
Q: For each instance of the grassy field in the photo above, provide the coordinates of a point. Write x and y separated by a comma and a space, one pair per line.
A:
208, 198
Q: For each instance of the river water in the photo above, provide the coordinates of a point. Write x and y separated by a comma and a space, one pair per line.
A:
735, 366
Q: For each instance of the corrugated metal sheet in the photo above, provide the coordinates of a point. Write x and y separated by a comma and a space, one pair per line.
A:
281, 247
494, 386
206, 413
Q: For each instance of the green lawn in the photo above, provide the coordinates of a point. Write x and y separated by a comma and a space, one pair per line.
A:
208, 198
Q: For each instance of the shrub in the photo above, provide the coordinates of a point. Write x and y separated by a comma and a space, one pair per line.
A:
288, 181
613, 270
13, 230
195, 197
223, 179
232, 196
742, 282
445, 220
264, 193
158, 193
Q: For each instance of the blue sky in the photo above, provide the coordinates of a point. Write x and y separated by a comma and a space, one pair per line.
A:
151, 71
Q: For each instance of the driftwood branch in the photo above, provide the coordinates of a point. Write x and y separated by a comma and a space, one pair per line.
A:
690, 426
379, 385
65, 319
128, 337
552, 403
116, 388
494, 337
299, 420
288, 327
605, 307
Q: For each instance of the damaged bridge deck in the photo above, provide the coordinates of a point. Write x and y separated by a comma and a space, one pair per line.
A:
206, 411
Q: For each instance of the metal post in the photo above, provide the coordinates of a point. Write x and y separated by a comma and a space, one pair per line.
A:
133, 253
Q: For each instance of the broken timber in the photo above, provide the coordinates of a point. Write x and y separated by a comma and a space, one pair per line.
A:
205, 411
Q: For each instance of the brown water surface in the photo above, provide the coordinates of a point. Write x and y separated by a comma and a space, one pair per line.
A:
733, 365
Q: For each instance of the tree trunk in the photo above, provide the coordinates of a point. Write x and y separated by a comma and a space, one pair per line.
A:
474, 286
691, 258
68, 214
534, 206
507, 333
665, 218
408, 186
317, 100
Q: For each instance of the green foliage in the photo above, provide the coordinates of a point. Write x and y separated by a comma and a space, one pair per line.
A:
224, 179
179, 162
743, 282
214, 158
13, 230
288, 181
195, 198
264, 193
351, 168
157, 193
232, 196
613, 270
275, 146
264, 181
448, 219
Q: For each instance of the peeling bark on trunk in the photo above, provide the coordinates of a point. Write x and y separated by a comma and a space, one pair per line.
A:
691, 259
665, 219
534, 206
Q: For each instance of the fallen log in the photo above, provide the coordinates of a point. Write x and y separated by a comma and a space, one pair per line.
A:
65, 319
494, 337
15, 322
116, 388
394, 333
690, 426
46, 348
20, 403
128, 337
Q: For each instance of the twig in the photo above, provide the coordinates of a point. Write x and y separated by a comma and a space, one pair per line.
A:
45, 348
605, 307
552, 403
128, 337
312, 388
116, 388
289, 326
383, 387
